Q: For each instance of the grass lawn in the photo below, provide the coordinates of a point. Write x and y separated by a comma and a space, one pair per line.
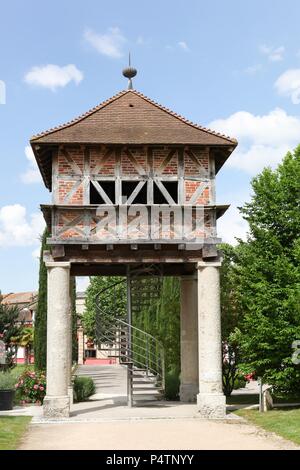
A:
284, 422
12, 429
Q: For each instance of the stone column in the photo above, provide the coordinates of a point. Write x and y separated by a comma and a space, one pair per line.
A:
210, 400
57, 401
189, 382
80, 337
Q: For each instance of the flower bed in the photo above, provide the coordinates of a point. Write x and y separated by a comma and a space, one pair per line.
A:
31, 388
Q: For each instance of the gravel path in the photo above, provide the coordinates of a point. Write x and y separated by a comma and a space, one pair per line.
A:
156, 434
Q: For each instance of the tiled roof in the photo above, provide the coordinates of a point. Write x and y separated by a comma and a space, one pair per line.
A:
131, 118
19, 298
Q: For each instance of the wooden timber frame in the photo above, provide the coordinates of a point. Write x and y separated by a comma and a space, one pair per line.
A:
92, 251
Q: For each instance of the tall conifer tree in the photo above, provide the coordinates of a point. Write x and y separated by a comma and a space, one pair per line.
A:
40, 325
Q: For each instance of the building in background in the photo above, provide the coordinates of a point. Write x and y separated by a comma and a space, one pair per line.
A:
26, 302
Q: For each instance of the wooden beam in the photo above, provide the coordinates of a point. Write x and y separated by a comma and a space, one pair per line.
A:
101, 192
175, 269
209, 251
58, 251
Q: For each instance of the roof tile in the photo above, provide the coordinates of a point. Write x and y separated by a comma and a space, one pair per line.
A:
112, 122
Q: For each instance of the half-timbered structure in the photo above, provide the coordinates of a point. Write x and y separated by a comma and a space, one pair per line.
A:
134, 183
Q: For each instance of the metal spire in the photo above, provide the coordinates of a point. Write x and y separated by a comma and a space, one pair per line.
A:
129, 72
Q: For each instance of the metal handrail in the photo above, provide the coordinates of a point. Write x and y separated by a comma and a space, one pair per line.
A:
141, 351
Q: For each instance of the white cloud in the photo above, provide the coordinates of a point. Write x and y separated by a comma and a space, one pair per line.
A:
109, 44
32, 174
288, 84
231, 226
274, 54
263, 140
183, 45
19, 229
53, 76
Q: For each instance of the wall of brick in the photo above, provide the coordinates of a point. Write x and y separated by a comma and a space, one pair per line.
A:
75, 168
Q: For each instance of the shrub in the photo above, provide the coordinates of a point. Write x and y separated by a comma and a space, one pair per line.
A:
84, 387
240, 382
7, 381
31, 387
172, 385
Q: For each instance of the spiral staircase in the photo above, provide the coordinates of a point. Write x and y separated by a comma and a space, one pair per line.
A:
140, 352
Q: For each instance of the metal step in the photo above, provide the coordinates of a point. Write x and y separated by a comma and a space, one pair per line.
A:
145, 389
141, 382
145, 398
143, 394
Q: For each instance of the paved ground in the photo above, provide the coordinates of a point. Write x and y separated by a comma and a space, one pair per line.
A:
151, 434
108, 379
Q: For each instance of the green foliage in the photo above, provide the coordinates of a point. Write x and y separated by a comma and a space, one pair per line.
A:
74, 319
31, 387
25, 339
168, 322
267, 269
40, 325
7, 381
231, 315
113, 304
162, 320
83, 388
239, 382
10, 327
172, 385
230, 309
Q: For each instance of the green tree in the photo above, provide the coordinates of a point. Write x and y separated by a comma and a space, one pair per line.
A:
230, 319
74, 319
40, 324
10, 327
162, 320
267, 266
112, 302
24, 339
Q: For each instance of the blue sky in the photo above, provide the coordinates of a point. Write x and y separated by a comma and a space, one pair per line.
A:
234, 66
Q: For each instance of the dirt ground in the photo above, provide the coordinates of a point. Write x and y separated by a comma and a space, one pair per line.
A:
156, 434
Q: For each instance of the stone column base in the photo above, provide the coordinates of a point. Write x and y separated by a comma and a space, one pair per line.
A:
188, 393
211, 405
56, 407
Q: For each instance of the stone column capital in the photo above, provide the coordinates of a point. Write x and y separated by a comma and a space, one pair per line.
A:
58, 264
206, 264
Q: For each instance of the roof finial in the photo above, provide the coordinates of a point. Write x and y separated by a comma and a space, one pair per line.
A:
129, 72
